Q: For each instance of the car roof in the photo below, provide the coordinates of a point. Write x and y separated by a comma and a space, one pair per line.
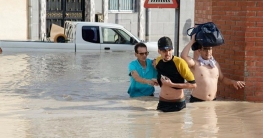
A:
96, 23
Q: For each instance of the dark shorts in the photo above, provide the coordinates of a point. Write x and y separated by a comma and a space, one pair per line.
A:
193, 99
171, 106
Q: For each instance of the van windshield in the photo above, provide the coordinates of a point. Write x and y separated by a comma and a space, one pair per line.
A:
117, 36
134, 36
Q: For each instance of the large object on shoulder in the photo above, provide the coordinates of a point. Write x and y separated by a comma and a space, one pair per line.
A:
207, 35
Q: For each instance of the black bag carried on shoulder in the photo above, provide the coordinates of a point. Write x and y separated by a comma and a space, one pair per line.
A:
207, 35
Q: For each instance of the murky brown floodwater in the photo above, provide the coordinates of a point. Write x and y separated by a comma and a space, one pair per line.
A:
61, 95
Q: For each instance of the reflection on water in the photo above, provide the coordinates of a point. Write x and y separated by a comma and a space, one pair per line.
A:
59, 94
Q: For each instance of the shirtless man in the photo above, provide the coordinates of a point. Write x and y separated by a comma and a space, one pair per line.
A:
207, 72
172, 73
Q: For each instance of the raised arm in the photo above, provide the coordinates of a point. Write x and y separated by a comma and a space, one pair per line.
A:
185, 53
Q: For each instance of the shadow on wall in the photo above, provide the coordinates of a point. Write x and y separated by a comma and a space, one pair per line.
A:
187, 25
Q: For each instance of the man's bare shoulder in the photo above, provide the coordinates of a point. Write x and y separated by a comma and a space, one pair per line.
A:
217, 65
196, 63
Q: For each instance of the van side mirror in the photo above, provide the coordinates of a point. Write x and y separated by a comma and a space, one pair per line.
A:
133, 41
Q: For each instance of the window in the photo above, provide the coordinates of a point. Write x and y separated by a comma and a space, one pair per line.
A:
91, 34
121, 5
115, 36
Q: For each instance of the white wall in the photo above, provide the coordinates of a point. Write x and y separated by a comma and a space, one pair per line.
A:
187, 9
13, 15
163, 23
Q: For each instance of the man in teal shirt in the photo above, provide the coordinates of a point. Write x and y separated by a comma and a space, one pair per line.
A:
142, 73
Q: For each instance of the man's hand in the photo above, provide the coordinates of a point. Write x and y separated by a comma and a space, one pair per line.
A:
155, 82
154, 63
238, 84
166, 81
193, 38
150, 82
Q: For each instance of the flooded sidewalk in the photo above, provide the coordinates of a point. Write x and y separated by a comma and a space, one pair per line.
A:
84, 95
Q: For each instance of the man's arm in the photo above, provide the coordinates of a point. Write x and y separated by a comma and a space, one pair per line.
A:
185, 53
186, 85
227, 81
185, 72
137, 78
154, 63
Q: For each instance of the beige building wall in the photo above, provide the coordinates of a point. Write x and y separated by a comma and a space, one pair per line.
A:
13, 15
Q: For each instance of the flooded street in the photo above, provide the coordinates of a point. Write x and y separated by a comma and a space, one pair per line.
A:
84, 95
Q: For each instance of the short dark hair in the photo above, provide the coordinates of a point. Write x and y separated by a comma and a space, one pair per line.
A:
139, 45
199, 46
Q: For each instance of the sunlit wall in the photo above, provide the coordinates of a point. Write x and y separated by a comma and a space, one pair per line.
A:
13, 15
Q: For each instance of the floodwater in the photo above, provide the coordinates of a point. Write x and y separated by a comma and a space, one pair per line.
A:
84, 95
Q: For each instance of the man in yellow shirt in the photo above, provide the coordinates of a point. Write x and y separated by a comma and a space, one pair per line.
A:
172, 73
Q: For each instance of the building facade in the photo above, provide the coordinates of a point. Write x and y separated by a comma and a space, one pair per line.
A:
32, 19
